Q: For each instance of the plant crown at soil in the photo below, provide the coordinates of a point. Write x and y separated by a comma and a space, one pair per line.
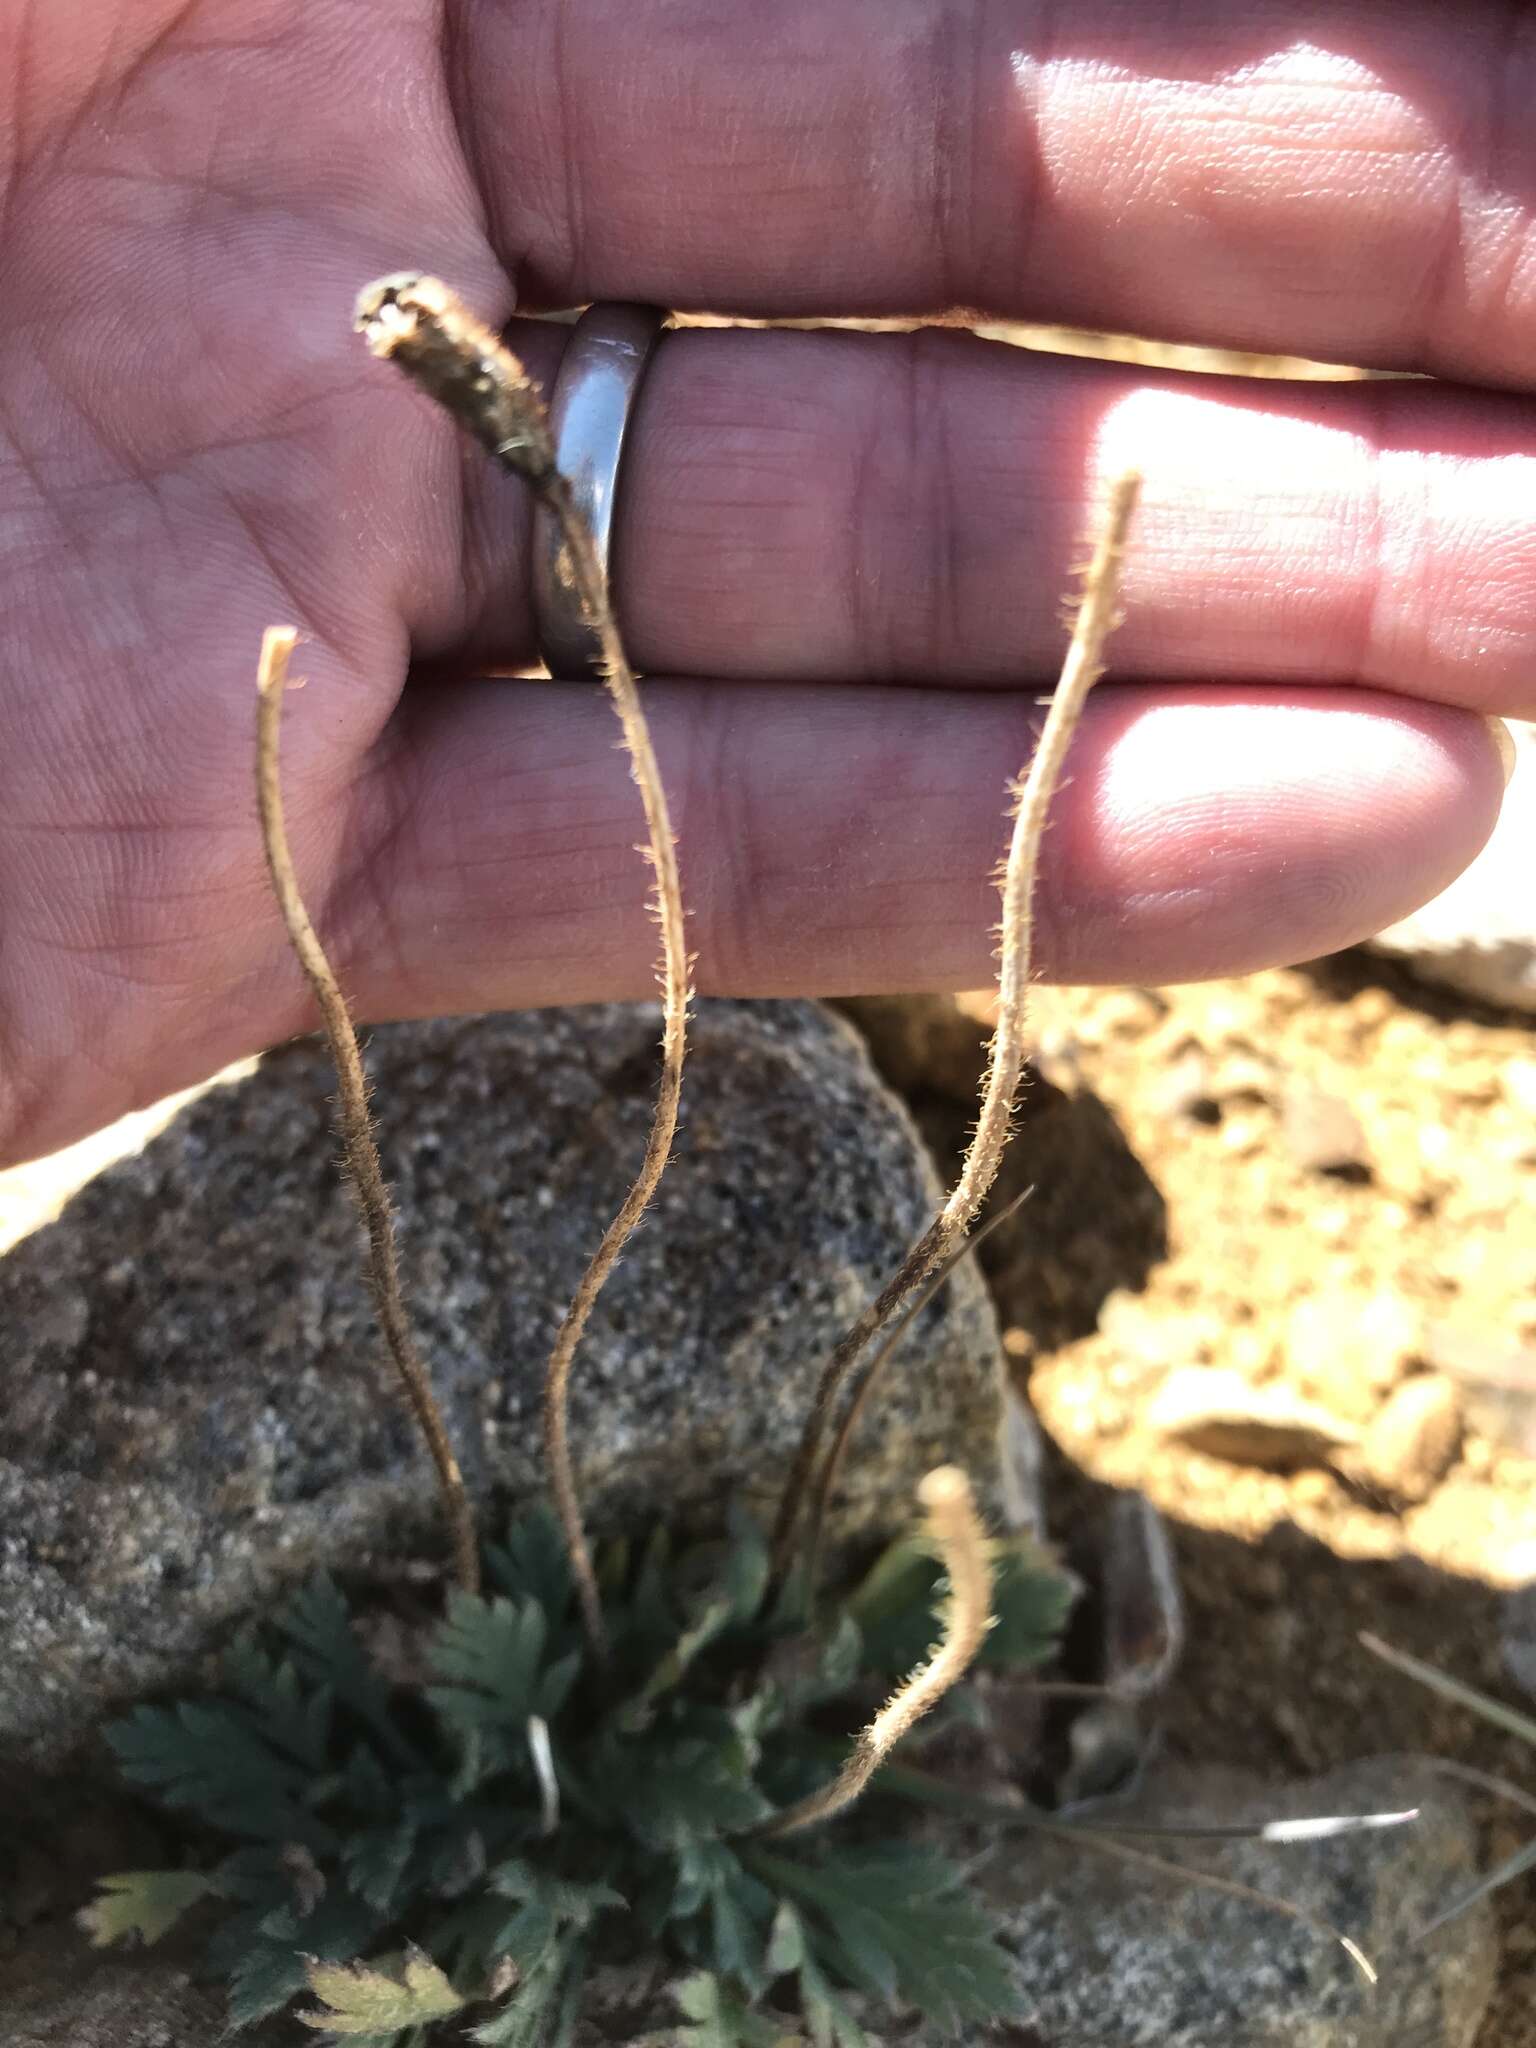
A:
406, 1820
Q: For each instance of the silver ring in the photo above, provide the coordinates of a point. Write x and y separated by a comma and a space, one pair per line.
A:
590, 410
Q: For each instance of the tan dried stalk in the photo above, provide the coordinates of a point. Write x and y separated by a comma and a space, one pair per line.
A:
955, 1527
419, 324
870, 1376
1084, 664
354, 1120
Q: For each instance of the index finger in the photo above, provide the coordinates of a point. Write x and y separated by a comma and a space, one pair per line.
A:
1354, 182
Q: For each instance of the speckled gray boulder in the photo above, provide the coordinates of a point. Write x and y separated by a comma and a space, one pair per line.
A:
196, 1413
1110, 1958
57, 1994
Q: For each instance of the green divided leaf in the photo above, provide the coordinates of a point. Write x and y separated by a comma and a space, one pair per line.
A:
673, 1667
899, 1925
827, 2018
541, 2013
532, 1564
291, 1719
358, 2000
376, 1860
490, 1652
265, 1954
688, 1790
717, 2018
210, 1759
896, 1605
1032, 1598
363, 1812
262, 1980
567, 1899
141, 1905
329, 1651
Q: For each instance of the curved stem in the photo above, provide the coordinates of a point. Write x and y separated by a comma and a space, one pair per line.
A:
419, 324
1083, 666
592, 587
353, 1119
962, 1544
868, 1377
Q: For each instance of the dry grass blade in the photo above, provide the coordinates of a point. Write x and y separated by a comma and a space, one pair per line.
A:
354, 1121
1510, 1719
1140, 1859
419, 324
1485, 1781
1514, 1865
955, 1527
1084, 664
929, 1790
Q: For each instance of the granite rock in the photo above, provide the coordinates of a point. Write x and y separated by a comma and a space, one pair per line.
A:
1112, 1958
58, 1995
1410, 1446
197, 1413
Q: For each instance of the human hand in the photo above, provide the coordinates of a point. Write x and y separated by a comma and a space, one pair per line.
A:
842, 555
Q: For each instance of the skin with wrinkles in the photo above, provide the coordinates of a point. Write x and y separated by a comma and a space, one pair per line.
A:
841, 555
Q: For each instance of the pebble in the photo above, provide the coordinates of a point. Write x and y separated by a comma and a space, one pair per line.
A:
1410, 1446
1348, 1347
1215, 1410
1321, 1132
1497, 1383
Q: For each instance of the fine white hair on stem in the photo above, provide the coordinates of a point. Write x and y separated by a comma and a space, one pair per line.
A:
354, 1119
420, 325
868, 1377
955, 1527
1084, 664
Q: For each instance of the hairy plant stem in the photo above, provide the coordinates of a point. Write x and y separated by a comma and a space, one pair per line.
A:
418, 323
867, 1381
956, 1530
1084, 664
353, 1118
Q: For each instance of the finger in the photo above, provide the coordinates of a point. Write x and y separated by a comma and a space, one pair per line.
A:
1354, 182
832, 839
836, 840
909, 508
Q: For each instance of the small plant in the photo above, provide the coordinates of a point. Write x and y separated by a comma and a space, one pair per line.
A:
519, 1813
667, 1759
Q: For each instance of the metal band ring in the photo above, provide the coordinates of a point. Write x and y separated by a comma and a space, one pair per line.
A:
590, 410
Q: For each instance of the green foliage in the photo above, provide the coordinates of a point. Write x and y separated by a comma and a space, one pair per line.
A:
451, 1857
893, 1608
141, 1905
716, 2019
369, 2004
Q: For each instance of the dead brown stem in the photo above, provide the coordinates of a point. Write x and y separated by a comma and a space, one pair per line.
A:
868, 1377
962, 1544
1083, 666
354, 1121
418, 323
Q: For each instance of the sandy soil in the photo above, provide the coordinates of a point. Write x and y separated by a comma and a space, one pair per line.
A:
1333, 1286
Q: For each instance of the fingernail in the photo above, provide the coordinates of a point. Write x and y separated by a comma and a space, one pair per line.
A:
1503, 740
